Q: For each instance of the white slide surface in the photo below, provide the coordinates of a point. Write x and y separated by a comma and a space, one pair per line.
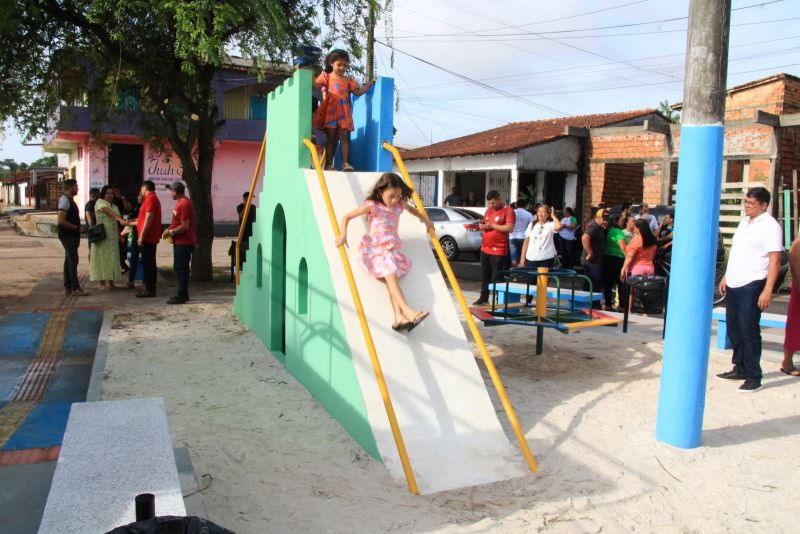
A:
450, 427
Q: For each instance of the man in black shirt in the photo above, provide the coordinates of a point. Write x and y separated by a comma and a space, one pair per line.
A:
69, 233
248, 229
88, 213
594, 249
454, 199
88, 210
125, 207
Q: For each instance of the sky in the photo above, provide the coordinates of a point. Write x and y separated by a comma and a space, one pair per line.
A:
481, 64
543, 59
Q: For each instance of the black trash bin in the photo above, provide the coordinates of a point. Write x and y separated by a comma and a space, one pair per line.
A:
648, 293
172, 525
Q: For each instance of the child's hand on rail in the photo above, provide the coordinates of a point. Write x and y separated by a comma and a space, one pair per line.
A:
341, 240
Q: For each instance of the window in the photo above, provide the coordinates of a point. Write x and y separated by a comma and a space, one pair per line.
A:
259, 267
437, 215
258, 107
302, 288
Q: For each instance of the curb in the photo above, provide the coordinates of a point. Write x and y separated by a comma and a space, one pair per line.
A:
95, 389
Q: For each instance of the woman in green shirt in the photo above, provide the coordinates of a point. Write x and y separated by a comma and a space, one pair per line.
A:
613, 260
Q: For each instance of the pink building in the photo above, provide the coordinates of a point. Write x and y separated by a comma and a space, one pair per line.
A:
119, 156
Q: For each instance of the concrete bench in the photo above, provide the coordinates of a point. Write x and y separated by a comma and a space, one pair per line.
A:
112, 451
582, 298
768, 320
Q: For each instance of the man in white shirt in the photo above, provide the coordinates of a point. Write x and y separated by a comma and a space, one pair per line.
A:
517, 235
749, 280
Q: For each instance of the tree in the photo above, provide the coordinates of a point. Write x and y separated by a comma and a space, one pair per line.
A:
46, 161
52, 51
8, 167
671, 115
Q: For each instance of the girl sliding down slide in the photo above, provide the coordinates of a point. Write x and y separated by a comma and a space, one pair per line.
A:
380, 247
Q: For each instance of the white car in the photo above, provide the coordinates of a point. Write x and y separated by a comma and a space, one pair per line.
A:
458, 230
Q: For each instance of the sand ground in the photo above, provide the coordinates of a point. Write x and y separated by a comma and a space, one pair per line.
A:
281, 464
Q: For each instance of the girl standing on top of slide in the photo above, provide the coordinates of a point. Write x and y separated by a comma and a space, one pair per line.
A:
380, 246
334, 114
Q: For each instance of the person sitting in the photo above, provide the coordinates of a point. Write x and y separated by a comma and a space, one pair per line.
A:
472, 200
640, 252
454, 199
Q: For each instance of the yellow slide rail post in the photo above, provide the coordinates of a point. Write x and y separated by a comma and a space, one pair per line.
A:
362, 319
246, 211
476, 334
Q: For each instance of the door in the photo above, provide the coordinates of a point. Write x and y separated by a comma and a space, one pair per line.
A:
126, 168
554, 187
278, 283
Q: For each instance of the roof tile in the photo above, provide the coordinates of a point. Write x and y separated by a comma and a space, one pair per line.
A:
517, 135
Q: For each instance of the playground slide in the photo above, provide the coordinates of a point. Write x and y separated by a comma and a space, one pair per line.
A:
450, 426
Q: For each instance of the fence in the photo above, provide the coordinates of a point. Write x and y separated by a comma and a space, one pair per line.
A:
788, 216
731, 208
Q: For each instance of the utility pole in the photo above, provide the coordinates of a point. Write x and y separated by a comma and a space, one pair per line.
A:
371, 43
681, 402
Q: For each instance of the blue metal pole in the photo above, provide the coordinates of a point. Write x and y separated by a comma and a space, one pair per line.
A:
679, 421
694, 252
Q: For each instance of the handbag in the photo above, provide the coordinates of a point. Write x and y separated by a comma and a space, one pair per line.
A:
96, 233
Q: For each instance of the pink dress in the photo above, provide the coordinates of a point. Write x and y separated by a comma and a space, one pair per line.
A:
380, 247
791, 340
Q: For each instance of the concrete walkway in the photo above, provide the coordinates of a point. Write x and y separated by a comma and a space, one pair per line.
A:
48, 343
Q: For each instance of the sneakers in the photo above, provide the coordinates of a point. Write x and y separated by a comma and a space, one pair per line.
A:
347, 168
733, 374
145, 295
79, 293
750, 385
177, 300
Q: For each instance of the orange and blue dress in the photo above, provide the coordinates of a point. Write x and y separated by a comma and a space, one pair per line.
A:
334, 111
380, 246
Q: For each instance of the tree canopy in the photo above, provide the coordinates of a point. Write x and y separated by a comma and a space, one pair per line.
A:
56, 51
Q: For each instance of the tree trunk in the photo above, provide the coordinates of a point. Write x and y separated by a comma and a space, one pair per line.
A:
202, 266
197, 174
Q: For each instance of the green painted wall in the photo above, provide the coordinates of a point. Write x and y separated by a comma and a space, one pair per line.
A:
316, 349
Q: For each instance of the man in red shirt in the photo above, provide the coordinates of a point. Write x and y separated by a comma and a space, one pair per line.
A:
184, 237
498, 222
148, 228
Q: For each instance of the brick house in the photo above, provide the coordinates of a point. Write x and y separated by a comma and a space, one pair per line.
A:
545, 159
630, 156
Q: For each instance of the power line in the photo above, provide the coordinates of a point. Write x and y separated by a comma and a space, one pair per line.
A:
556, 76
574, 47
597, 89
538, 37
481, 33
476, 82
402, 78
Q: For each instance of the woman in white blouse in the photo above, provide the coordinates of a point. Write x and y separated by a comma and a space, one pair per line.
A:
538, 249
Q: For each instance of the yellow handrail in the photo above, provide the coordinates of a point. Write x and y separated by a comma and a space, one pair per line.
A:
362, 319
246, 212
476, 334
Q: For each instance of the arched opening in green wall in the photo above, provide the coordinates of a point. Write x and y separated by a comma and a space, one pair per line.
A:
302, 288
259, 267
278, 282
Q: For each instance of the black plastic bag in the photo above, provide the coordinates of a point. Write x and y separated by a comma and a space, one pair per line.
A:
172, 525
648, 293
